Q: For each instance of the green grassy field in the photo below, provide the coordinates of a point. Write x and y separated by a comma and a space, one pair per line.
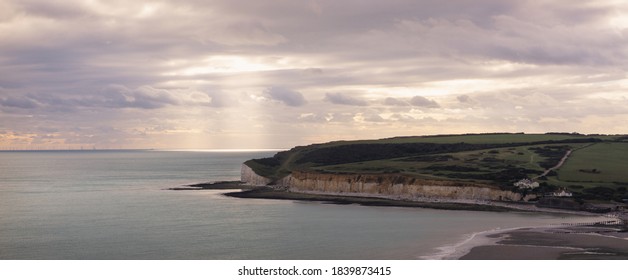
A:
595, 169
468, 166
598, 163
497, 138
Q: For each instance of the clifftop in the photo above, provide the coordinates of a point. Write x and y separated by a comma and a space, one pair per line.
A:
495, 160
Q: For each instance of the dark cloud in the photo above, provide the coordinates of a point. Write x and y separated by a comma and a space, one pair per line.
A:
18, 102
420, 101
113, 96
143, 97
343, 99
51, 9
286, 96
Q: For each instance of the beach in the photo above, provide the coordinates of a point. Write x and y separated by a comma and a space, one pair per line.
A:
552, 243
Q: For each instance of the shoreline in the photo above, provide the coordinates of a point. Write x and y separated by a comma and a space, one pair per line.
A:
595, 242
462, 248
585, 239
251, 192
269, 193
262, 192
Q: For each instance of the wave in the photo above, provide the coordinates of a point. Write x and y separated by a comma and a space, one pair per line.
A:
470, 241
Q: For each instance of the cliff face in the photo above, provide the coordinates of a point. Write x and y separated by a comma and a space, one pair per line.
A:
247, 175
387, 186
394, 187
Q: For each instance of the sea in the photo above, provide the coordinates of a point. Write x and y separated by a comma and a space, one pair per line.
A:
112, 205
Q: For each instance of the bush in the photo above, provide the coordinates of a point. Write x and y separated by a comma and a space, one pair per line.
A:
553, 154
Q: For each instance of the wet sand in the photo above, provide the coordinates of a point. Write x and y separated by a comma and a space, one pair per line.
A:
570, 243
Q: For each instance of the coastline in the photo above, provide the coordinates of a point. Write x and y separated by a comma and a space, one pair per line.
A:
253, 192
268, 193
261, 192
549, 243
587, 238
462, 248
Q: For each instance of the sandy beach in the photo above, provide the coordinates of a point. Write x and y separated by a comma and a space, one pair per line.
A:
551, 243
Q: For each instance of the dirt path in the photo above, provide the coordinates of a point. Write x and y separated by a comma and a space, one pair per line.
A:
560, 163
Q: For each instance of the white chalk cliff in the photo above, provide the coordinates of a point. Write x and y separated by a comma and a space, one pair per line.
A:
391, 186
249, 176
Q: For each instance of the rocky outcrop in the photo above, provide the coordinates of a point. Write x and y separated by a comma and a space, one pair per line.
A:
391, 186
248, 176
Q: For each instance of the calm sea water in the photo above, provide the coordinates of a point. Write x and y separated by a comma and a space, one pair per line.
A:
113, 205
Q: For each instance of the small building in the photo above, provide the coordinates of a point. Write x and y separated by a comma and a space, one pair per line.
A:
562, 193
526, 184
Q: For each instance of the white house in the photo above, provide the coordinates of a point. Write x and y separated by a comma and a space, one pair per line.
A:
562, 193
526, 184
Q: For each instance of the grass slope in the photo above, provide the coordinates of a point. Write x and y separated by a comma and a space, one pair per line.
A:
598, 163
501, 159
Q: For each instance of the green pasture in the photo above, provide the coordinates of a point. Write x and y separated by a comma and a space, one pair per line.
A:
461, 165
599, 163
477, 139
500, 165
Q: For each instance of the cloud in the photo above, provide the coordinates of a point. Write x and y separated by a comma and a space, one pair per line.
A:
111, 96
417, 101
373, 118
401, 117
342, 117
74, 63
390, 101
343, 99
313, 118
247, 33
515, 37
144, 97
463, 98
420, 101
18, 102
286, 96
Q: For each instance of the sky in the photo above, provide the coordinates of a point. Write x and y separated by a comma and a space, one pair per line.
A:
230, 74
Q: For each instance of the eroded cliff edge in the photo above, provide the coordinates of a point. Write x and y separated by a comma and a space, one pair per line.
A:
248, 176
390, 186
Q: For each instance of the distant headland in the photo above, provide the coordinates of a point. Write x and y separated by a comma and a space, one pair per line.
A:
552, 172
567, 171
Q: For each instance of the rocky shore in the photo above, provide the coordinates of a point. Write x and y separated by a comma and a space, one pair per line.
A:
253, 192
245, 190
269, 193
221, 185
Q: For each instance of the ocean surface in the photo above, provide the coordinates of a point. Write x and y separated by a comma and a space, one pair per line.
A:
115, 205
